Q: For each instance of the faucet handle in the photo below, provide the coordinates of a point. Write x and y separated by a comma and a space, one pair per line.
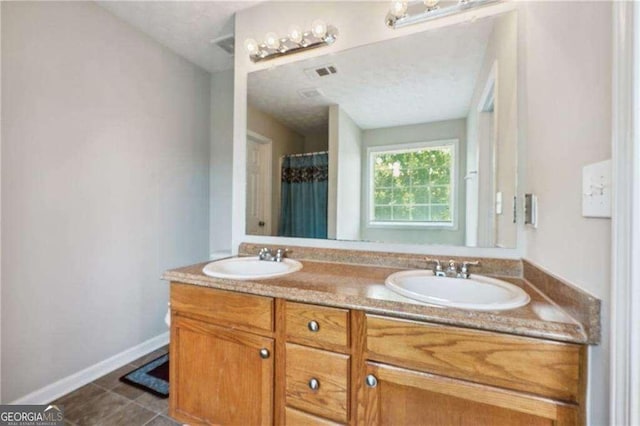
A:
436, 261
464, 271
280, 254
264, 253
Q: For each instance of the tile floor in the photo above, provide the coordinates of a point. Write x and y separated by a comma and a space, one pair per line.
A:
109, 402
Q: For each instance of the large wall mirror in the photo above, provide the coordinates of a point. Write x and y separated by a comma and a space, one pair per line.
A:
410, 140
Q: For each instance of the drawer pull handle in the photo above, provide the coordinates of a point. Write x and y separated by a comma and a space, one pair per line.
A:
264, 353
313, 326
371, 381
314, 384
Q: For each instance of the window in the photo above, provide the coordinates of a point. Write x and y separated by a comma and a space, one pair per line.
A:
413, 184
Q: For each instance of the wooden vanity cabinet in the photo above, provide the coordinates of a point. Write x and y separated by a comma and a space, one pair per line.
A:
300, 418
317, 382
252, 360
317, 326
317, 364
421, 373
399, 396
222, 363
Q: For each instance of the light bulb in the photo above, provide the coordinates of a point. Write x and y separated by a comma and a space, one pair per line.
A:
431, 4
271, 40
399, 8
319, 28
295, 34
251, 45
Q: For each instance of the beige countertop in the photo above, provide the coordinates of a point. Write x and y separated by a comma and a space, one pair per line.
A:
362, 287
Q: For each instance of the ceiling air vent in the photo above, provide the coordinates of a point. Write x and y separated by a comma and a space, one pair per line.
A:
225, 43
309, 93
321, 71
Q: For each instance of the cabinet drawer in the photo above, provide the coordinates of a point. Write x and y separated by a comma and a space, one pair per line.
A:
537, 366
409, 397
331, 373
317, 326
223, 307
300, 418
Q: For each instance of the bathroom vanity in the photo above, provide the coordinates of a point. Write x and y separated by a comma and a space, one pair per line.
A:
329, 344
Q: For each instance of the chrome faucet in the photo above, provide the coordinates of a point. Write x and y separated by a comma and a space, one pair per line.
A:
452, 270
266, 254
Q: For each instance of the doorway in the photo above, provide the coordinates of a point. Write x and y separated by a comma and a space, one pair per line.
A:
258, 211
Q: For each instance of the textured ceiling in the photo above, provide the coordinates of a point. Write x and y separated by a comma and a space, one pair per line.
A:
420, 78
186, 27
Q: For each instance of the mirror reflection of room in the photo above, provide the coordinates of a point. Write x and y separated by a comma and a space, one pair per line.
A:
411, 140
287, 177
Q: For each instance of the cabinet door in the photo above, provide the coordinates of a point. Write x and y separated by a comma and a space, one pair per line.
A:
219, 375
396, 396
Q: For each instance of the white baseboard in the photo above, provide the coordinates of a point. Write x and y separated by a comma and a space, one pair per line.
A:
64, 386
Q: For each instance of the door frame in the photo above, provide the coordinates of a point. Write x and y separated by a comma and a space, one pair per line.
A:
625, 228
261, 139
487, 228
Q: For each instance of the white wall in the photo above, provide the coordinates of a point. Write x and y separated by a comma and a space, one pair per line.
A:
349, 185
568, 57
450, 129
220, 162
316, 142
568, 96
105, 179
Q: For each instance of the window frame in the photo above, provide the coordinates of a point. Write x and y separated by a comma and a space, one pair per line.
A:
455, 167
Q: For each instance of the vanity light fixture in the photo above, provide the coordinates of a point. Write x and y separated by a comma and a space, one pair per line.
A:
296, 40
295, 34
272, 41
399, 16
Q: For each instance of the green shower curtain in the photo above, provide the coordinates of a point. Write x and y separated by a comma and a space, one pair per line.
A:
303, 211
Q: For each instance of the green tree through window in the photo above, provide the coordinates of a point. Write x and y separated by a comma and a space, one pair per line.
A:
413, 185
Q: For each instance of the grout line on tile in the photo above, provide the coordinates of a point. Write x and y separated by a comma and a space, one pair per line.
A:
152, 419
135, 401
100, 386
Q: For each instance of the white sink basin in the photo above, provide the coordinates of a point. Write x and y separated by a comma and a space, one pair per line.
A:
475, 293
250, 268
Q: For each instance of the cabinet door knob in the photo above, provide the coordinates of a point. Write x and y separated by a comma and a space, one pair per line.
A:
371, 381
264, 353
314, 384
313, 326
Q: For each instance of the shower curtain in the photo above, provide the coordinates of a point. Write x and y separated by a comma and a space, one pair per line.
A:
303, 209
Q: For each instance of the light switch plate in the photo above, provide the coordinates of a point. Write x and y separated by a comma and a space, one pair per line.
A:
531, 210
596, 189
